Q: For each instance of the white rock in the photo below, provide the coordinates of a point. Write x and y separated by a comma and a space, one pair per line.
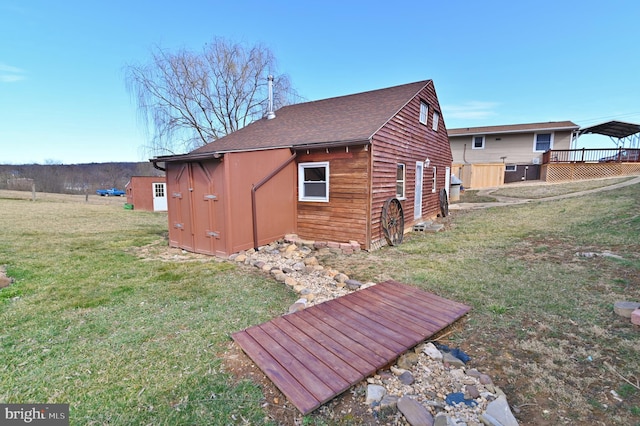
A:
375, 393
500, 411
432, 352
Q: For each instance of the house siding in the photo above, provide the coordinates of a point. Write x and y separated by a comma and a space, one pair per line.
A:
405, 140
345, 217
516, 147
210, 208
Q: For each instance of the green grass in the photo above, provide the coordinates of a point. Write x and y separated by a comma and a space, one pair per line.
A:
122, 339
127, 339
539, 309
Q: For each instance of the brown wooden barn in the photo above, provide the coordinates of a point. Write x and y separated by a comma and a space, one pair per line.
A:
147, 193
362, 168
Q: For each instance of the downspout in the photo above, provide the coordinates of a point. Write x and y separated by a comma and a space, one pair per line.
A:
255, 187
155, 166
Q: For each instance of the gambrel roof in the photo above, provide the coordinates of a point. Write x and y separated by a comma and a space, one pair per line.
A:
339, 121
515, 128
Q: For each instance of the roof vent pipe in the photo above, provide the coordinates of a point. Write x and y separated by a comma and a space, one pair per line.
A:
270, 113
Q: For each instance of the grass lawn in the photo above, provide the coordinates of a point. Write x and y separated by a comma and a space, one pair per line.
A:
122, 339
129, 339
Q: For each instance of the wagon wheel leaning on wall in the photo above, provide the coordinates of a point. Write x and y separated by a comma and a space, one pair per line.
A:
444, 203
393, 221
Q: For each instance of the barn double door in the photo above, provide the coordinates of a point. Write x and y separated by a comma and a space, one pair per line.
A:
195, 217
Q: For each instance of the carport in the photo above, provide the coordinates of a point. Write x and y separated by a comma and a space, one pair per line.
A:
623, 135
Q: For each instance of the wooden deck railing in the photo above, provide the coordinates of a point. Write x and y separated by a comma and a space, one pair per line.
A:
615, 155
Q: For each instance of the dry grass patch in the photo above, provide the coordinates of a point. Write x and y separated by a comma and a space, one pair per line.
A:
537, 191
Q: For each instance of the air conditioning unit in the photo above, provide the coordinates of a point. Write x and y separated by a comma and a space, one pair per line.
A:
536, 160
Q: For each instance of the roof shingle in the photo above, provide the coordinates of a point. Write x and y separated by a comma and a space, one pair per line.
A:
336, 120
514, 128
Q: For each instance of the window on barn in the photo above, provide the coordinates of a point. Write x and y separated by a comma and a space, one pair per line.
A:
158, 189
313, 181
543, 142
478, 142
433, 184
424, 111
436, 118
401, 181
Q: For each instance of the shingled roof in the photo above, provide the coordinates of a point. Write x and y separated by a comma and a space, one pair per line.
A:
514, 128
338, 121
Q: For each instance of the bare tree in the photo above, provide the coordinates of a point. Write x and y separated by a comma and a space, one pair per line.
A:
187, 99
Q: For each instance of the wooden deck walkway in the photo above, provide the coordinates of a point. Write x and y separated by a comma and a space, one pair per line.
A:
318, 353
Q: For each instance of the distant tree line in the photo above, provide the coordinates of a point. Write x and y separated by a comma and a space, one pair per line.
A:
73, 178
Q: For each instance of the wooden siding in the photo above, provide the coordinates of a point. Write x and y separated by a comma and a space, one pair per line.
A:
475, 176
140, 191
275, 201
345, 217
405, 140
320, 352
210, 209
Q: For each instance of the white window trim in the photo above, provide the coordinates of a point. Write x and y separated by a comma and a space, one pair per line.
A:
433, 184
424, 105
404, 181
436, 119
535, 140
514, 168
473, 141
301, 196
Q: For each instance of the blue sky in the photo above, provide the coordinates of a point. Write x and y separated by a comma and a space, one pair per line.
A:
63, 97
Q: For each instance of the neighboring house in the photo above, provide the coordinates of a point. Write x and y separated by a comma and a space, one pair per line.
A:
492, 155
342, 170
147, 193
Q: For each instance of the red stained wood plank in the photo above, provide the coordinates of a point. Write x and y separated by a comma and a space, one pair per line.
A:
324, 353
291, 365
429, 310
376, 328
393, 319
421, 314
315, 354
365, 336
452, 308
355, 355
347, 336
440, 308
290, 387
323, 372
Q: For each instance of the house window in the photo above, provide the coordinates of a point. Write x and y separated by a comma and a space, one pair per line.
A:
478, 142
313, 181
424, 111
436, 119
433, 181
400, 181
158, 189
510, 168
543, 142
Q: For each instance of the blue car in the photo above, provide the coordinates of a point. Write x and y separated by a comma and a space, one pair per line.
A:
112, 192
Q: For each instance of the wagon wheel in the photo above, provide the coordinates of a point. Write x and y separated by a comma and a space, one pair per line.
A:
444, 203
393, 221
